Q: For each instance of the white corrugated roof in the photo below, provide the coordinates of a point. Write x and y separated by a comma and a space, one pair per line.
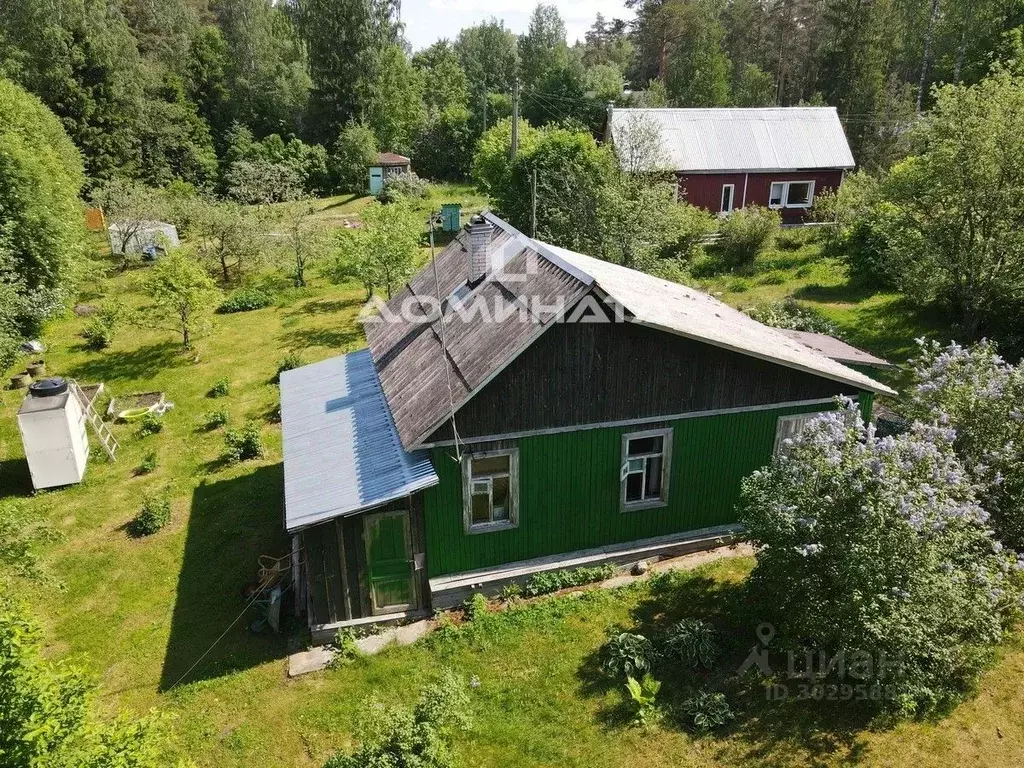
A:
727, 139
677, 309
341, 449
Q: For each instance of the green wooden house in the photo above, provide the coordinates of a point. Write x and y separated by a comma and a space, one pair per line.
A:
521, 408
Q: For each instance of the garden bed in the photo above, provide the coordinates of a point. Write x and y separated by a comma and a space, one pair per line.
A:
139, 403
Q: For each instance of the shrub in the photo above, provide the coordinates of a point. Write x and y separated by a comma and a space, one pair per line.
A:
775, 277
246, 300
628, 655
403, 186
692, 641
792, 315
552, 581
148, 464
421, 737
100, 330
981, 396
244, 444
867, 248
214, 419
643, 696
707, 711
22, 531
221, 387
878, 546
792, 238
150, 424
745, 233
288, 362
154, 515
98, 334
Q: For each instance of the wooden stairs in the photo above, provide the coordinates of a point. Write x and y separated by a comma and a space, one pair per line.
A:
106, 437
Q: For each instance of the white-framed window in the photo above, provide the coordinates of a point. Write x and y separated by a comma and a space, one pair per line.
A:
791, 194
646, 459
728, 198
490, 490
788, 427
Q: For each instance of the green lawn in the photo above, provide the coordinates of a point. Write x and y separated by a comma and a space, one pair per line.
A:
142, 612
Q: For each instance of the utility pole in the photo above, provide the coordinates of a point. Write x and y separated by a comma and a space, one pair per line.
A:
485, 109
533, 202
515, 120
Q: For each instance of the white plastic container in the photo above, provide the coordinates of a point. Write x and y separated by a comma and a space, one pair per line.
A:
53, 431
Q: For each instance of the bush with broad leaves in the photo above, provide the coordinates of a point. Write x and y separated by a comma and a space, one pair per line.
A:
693, 642
981, 396
879, 546
628, 655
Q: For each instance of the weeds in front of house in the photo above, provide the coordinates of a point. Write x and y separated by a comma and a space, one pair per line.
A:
421, 736
552, 581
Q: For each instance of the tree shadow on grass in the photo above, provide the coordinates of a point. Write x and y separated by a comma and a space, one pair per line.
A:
848, 292
342, 339
326, 306
15, 480
141, 363
232, 522
766, 730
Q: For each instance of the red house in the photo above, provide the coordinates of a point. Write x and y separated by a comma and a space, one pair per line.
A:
778, 157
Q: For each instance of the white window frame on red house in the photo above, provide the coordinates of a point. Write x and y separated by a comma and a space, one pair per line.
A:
732, 199
783, 197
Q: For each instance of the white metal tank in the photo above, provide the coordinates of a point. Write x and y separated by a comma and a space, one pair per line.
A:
53, 432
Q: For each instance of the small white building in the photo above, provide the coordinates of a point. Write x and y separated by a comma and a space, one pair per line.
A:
53, 432
137, 238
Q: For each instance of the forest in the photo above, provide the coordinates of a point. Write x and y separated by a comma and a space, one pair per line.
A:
200, 91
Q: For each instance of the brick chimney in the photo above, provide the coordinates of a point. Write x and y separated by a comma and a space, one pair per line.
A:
479, 240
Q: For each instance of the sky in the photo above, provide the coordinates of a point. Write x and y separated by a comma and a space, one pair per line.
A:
427, 21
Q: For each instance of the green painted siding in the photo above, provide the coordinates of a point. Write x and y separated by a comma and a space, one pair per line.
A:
569, 490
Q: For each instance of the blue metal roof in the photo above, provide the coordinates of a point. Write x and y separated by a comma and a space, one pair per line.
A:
342, 454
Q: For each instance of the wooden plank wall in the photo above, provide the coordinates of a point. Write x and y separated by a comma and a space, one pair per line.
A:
582, 373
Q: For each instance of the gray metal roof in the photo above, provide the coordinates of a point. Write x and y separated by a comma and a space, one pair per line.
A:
688, 312
341, 450
734, 139
836, 349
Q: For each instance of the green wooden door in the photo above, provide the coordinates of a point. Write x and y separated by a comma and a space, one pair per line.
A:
389, 562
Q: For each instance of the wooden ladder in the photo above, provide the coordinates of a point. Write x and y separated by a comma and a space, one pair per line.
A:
102, 431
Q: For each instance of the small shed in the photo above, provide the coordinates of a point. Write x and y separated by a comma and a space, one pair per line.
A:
142, 237
388, 164
451, 217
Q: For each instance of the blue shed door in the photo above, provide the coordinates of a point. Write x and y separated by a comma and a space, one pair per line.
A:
376, 180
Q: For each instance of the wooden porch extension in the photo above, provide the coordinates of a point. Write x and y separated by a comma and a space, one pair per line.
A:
452, 590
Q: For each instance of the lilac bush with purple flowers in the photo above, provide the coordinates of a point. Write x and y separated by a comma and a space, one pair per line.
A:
879, 546
977, 393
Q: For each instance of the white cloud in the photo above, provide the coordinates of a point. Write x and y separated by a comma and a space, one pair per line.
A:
429, 20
